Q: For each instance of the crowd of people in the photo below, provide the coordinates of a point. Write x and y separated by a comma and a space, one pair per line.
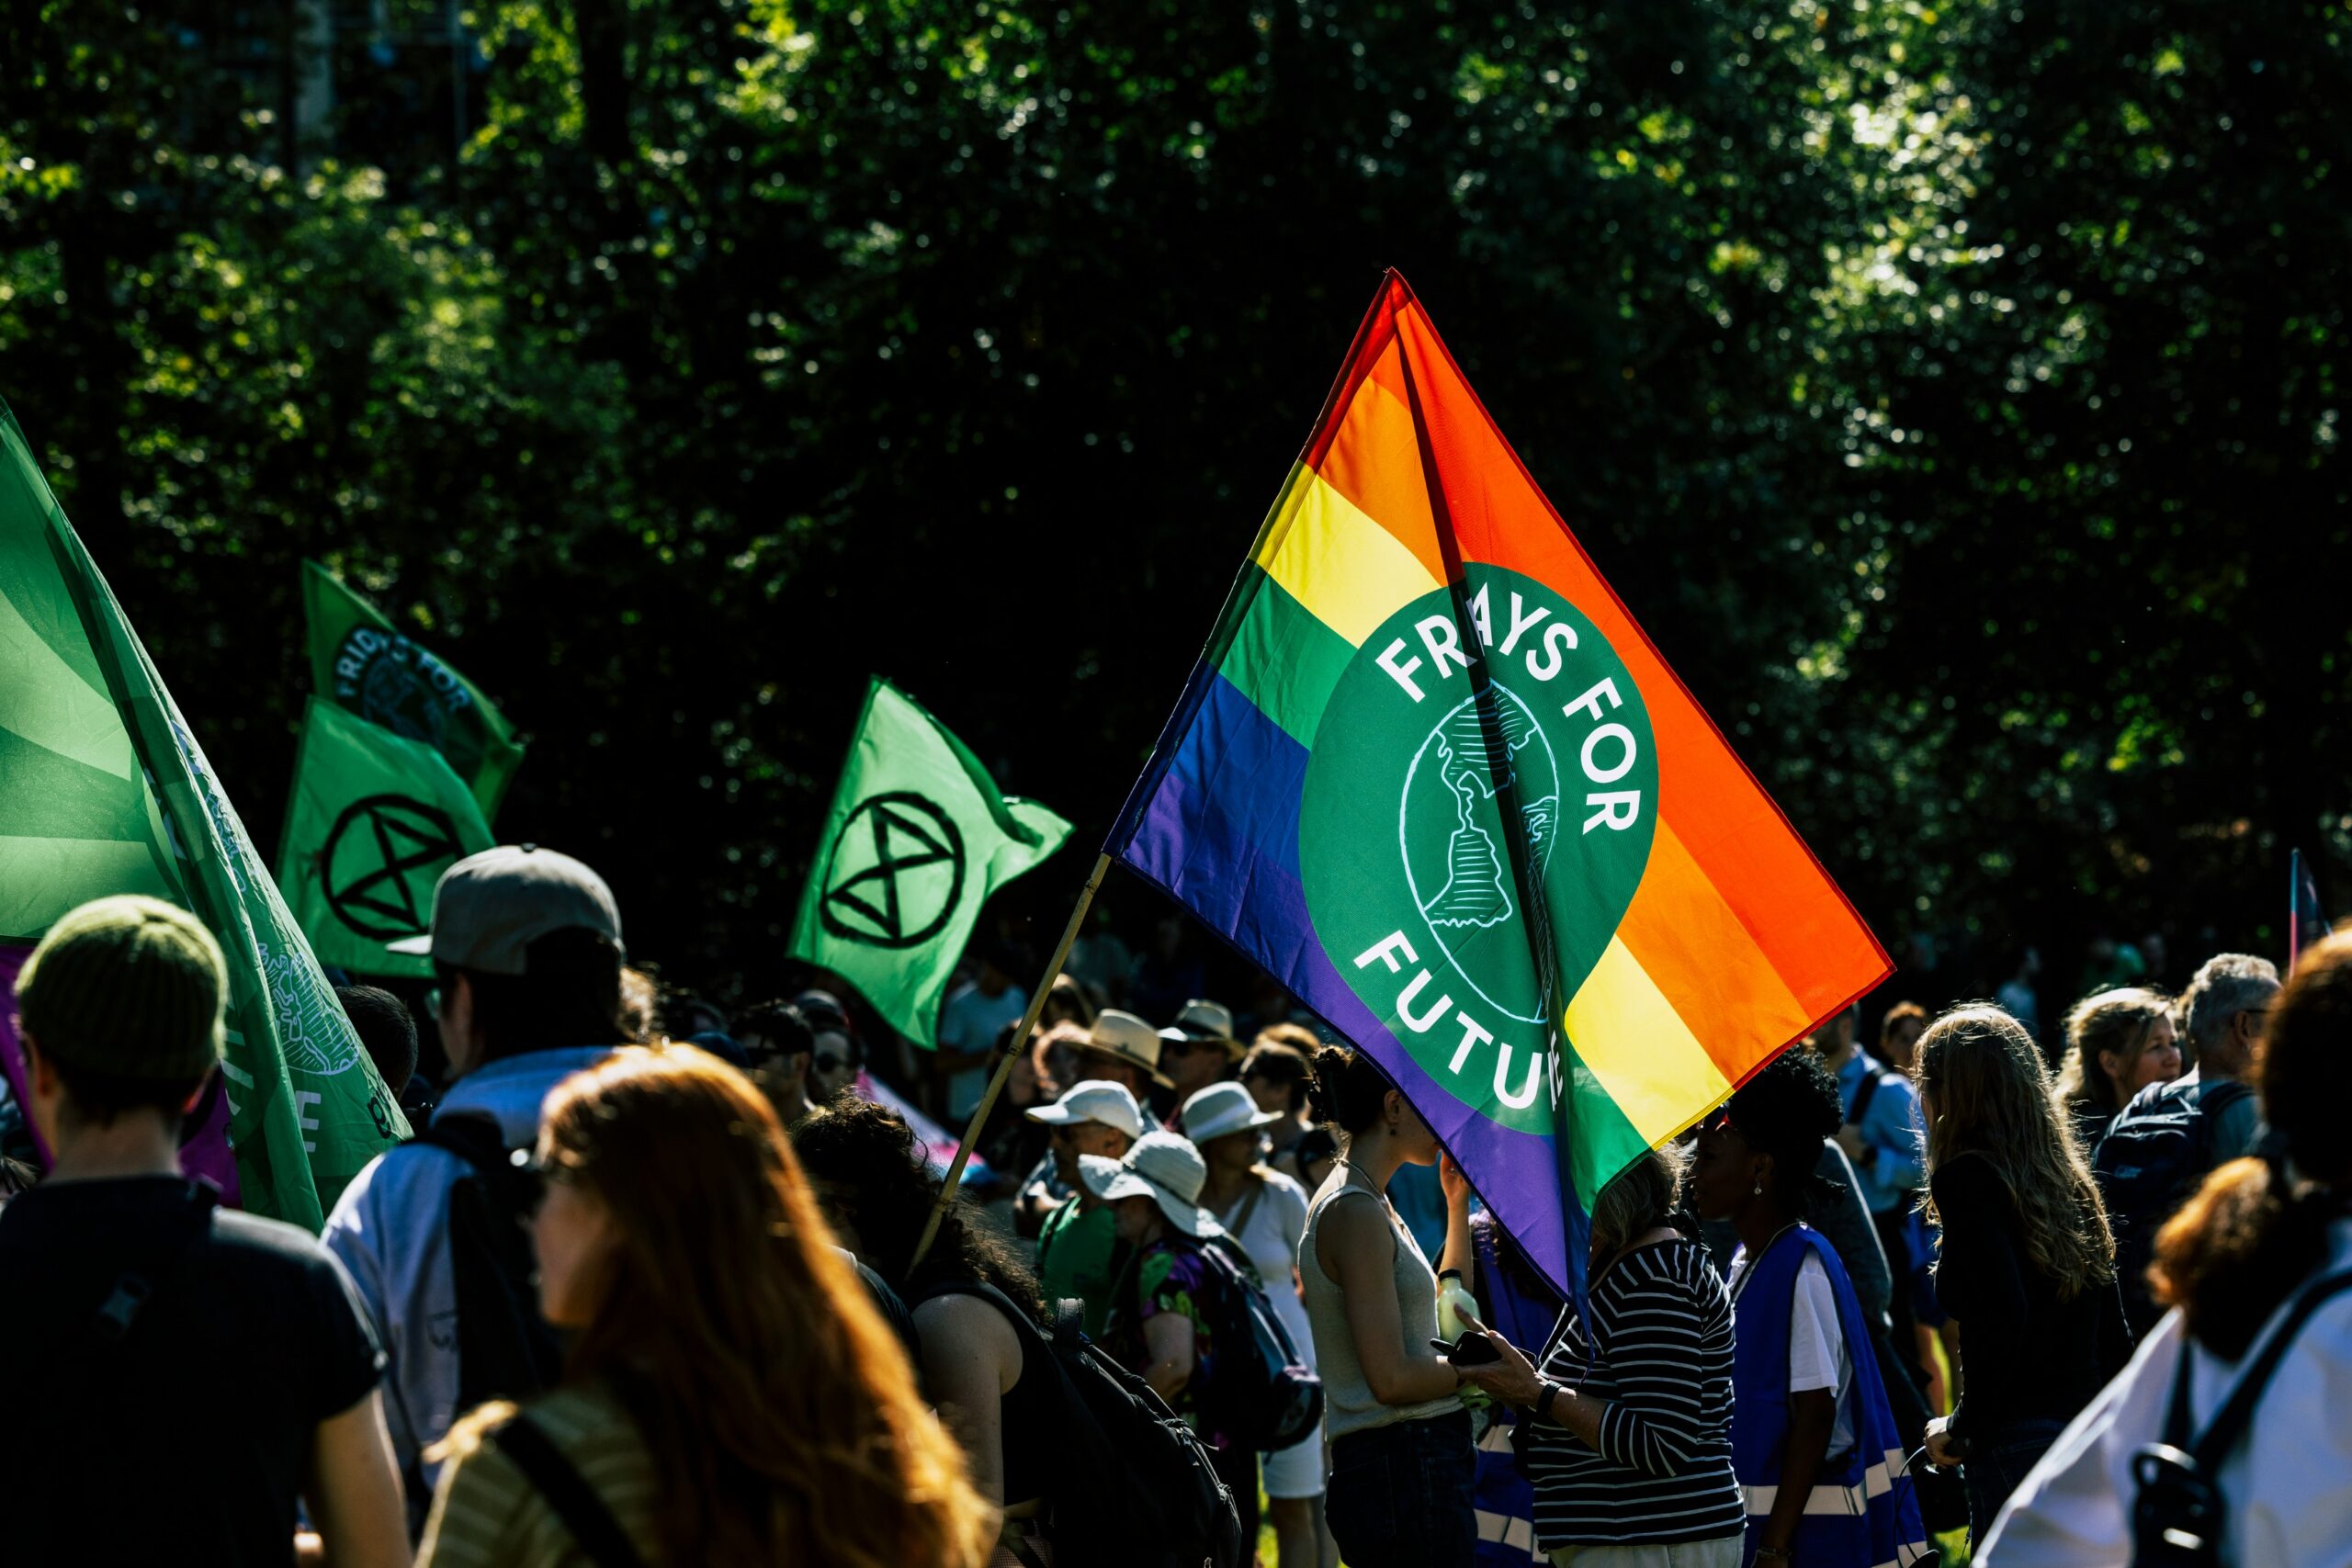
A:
637, 1295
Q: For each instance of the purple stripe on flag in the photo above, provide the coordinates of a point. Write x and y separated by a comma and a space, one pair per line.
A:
1219, 833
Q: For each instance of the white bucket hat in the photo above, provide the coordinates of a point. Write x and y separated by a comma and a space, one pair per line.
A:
1095, 1100
1163, 1168
1222, 1109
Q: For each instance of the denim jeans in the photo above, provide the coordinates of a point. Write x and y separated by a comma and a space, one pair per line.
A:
1998, 1457
1400, 1496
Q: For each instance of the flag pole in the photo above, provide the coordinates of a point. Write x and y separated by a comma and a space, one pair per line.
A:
1013, 1049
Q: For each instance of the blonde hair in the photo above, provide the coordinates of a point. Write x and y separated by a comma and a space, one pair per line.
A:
2119, 1021
1639, 1199
779, 1407
1992, 1098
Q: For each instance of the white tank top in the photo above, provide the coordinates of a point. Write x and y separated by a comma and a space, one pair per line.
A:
1348, 1403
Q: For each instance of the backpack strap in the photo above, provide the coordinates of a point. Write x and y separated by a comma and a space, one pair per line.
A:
591, 1523
2229, 1424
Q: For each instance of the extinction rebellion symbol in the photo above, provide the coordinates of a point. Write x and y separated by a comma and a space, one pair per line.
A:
896, 873
381, 861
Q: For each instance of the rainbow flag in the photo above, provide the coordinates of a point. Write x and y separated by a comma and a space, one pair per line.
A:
1431, 774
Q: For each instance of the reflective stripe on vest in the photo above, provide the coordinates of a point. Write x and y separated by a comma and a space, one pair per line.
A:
1876, 1482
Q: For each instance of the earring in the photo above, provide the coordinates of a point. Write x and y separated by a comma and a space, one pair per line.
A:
1759, 1186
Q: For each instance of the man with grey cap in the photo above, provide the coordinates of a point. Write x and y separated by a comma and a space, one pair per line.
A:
525, 945
177, 1375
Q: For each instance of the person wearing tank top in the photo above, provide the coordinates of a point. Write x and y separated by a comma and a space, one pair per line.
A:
1402, 1464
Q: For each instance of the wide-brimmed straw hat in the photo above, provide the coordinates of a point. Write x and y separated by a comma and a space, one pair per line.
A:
1205, 1023
1163, 1168
1222, 1109
1124, 1037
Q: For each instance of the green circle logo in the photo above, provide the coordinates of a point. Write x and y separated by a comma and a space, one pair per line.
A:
1419, 888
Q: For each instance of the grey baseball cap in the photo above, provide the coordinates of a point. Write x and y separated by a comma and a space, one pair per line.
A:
489, 908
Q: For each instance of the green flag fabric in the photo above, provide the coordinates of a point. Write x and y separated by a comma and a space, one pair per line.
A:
362, 664
104, 790
917, 840
374, 822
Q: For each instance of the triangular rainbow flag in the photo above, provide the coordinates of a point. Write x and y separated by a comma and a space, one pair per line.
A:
1416, 654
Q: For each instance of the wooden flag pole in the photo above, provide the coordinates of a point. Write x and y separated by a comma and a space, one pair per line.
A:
1014, 1048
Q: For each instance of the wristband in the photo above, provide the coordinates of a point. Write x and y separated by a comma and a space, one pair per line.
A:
1552, 1392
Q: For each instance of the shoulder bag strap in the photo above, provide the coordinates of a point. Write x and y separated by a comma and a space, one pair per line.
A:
2229, 1424
1249, 1207
584, 1514
1862, 1098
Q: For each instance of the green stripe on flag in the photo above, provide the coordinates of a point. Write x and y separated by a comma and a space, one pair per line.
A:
1282, 658
87, 717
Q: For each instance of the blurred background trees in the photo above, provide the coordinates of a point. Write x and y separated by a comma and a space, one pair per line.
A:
1952, 391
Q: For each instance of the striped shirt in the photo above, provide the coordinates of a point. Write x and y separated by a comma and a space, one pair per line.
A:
1663, 1471
487, 1515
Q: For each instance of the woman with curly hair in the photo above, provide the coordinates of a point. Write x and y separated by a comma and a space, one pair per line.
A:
990, 1375
2259, 1268
1811, 1435
2026, 1265
2118, 1043
730, 1394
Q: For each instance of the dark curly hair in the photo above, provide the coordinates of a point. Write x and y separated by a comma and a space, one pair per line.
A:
1786, 1110
878, 1182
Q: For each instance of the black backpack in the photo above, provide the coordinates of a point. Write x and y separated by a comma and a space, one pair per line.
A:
2178, 1514
506, 1349
2155, 1152
1134, 1486
1261, 1395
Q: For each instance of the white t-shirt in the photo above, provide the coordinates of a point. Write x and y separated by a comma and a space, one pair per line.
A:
2288, 1502
1272, 1240
972, 1020
1817, 1356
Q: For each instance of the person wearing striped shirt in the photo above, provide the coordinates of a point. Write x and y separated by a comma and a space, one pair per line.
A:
1629, 1444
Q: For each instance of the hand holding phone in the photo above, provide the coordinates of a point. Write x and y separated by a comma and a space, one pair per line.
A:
1470, 1350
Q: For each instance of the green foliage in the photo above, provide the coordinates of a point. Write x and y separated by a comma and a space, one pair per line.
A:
1951, 391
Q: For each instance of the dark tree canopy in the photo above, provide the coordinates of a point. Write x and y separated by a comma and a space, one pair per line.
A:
1953, 392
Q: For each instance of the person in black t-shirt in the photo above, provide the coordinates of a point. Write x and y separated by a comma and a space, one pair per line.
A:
175, 1377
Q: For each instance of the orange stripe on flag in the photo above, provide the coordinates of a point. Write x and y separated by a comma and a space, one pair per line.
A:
1737, 839
1691, 942
1375, 461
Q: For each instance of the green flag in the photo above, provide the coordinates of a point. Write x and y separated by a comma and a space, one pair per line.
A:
375, 821
361, 663
104, 790
917, 840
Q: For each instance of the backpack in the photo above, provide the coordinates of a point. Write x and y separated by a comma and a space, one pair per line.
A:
1260, 1394
506, 1349
2155, 1152
2179, 1514
1134, 1485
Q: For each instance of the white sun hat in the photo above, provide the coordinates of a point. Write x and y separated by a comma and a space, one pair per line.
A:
1163, 1168
1222, 1109
1095, 1100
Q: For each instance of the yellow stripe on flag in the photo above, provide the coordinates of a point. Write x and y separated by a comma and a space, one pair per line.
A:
1626, 1031
1349, 571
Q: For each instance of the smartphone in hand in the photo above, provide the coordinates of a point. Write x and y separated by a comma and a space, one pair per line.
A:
1470, 1350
